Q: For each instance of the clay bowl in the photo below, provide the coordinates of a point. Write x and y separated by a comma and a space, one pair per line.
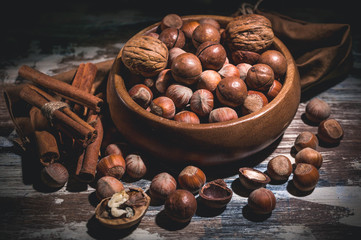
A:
202, 144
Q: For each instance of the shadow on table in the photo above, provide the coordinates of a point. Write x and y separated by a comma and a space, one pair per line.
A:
163, 221
98, 231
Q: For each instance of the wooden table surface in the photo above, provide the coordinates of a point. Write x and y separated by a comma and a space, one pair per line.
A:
332, 210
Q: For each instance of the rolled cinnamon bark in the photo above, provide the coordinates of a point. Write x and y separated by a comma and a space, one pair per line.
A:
88, 160
62, 118
63, 89
45, 139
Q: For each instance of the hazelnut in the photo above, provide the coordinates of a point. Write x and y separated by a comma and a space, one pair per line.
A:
172, 37
274, 90
209, 80
262, 201
54, 175
330, 131
163, 80
212, 55
305, 177
163, 106
202, 102
107, 186
192, 179
204, 33
240, 56
141, 94
121, 148
186, 68
180, 206
112, 165
135, 166
222, 114
210, 21
306, 139
243, 70
179, 94
260, 77
254, 101
231, 91
275, 60
152, 34
188, 28
252, 178
161, 186
279, 168
215, 194
187, 117
310, 156
173, 53
149, 82
229, 70
317, 110
171, 21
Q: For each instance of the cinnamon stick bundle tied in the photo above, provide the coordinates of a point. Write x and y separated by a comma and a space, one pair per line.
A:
59, 114
61, 88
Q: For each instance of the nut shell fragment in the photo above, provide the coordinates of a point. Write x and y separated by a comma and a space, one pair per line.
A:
138, 201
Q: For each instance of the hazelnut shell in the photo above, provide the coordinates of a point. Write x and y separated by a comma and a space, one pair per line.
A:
252, 178
122, 223
215, 194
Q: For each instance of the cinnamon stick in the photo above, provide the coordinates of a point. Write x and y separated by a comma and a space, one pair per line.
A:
83, 80
62, 118
63, 89
46, 142
88, 160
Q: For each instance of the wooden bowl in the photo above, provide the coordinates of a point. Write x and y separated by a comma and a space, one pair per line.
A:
209, 143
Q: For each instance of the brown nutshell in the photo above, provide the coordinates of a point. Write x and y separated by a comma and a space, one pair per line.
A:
250, 32
330, 131
145, 55
180, 206
252, 178
279, 168
262, 201
215, 194
306, 139
260, 77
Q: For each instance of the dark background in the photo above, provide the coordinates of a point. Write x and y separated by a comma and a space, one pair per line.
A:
62, 23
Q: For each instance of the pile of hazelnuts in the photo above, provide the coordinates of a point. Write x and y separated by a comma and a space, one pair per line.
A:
178, 194
307, 160
204, 81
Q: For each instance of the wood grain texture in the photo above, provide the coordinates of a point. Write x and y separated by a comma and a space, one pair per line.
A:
29, 210
332, 210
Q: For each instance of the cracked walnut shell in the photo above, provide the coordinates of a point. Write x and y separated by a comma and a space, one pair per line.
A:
251, 32
145, 55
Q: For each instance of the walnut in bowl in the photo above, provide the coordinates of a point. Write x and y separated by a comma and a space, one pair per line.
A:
202, 144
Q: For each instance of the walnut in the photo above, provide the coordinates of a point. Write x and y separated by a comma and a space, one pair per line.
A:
251, 32
145, 55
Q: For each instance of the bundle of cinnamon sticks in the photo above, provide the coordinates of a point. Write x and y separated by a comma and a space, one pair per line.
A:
69, 110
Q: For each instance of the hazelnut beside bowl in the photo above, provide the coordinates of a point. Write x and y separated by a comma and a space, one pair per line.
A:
215, 194
209, 143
